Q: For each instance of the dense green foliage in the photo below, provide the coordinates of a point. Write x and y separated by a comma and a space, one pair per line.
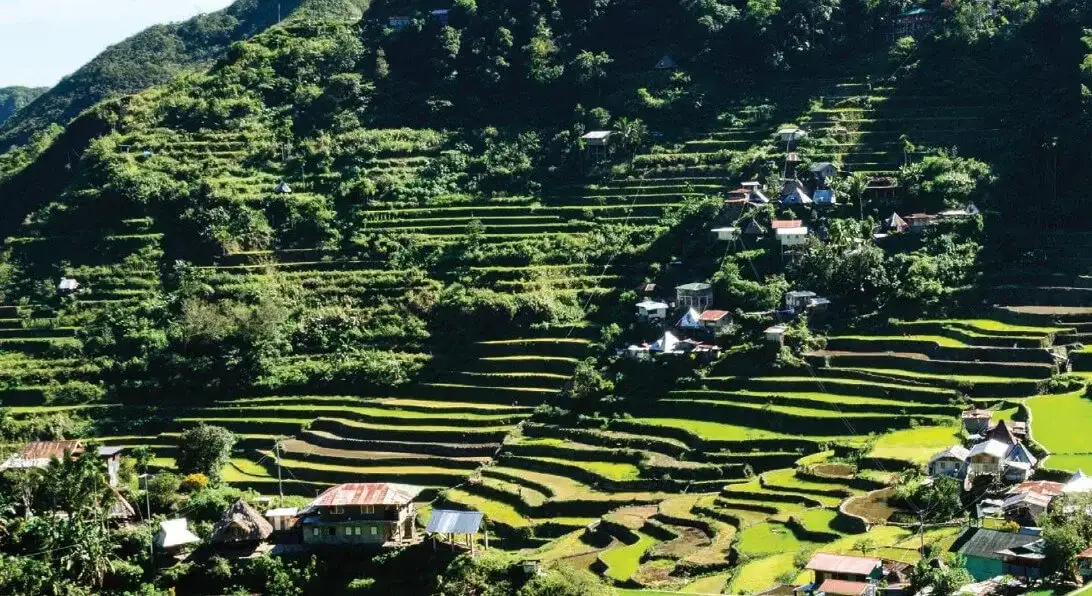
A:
13, 99
151, 57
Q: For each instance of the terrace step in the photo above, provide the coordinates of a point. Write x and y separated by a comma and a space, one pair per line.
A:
459, 450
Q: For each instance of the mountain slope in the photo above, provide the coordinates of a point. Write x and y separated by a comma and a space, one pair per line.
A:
155, 56
13, 99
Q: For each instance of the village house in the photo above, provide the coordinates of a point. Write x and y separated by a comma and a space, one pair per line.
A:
1043, 487
825, 197
789, 134
727, 234
1026, 507
361, 513
241, 526
666, 63
67, 284
441, 15
1002, 432
111, 455
796, 196
843, 575
987, 458
399, 22
798, 300
1025, 561
977, 421
789, 237
919, 221
597, 144
668, 344
824, 172
38, 454
174, 534
283, 188
698, 296
951, 462
650, 310
120, 511
913, 22
637, 352
969, 211
881, 188
776, 334
895, 224
282, 519
1019, 463
1079, 482
646, 289
754, 192
715, 321
1084, 564
690, 320
983, 549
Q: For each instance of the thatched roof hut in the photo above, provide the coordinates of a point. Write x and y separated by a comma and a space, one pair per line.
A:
241, 523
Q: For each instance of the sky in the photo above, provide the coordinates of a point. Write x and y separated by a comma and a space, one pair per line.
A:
44, 40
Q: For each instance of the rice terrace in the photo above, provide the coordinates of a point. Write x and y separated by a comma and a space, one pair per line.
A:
553, 298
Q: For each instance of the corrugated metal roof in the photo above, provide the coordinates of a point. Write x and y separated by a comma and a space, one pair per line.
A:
980, 542
831, 563
381, 493
841, 587
447, 521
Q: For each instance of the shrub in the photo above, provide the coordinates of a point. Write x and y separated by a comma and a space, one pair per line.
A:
194, 482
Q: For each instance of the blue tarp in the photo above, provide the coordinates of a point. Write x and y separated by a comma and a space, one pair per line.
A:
446, 521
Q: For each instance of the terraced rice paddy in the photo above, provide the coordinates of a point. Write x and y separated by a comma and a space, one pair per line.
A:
737, 449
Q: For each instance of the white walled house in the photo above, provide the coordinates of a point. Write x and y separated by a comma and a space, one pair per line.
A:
651, 310
792, 236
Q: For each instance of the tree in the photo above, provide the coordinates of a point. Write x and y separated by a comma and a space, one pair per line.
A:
587, 383
632, 132
590, 68
1067, 530
72, 484
944, 575
205, 449
564, 580
864, 546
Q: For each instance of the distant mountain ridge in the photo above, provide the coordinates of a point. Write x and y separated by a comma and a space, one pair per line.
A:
13, 99
155, 56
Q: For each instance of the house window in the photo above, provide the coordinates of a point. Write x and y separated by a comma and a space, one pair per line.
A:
374, 530
314, 531
339, 509
357, 531
367, 508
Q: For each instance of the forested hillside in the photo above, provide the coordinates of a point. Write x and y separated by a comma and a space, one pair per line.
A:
383, 250
13, 99
155, 56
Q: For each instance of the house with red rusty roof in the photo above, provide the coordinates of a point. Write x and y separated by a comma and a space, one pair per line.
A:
843, 575
380, 513
715, 320
38, 454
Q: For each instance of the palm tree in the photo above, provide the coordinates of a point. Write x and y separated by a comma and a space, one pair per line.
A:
633, 133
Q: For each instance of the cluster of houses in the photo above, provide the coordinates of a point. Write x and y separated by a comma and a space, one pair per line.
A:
917, 223
356, 514
698, 323
996, 451
379, 514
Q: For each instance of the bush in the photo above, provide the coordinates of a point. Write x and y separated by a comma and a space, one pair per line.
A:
194, 482
205, 449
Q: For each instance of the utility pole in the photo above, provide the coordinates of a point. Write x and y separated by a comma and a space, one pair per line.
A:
148, 503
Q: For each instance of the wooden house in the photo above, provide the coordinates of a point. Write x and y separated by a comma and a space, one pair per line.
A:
754, 192
38, 454
441, 15
776, 334
282, 519
913, 22
918, 222
1026, 507
715, 321
798, 300
597, 144
951, 462
698, 296
754, 229
977, 421
361, 513
982, 549
987, 458
895, 224
241, 525
651, 310
843, 575
823, 172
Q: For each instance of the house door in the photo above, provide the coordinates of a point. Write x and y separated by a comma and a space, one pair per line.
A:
407, 528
